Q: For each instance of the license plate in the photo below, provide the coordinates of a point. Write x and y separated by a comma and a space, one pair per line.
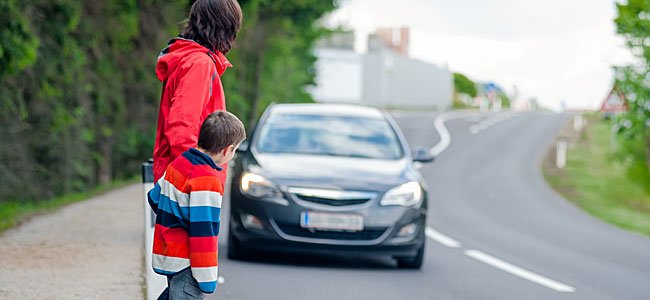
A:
331, 221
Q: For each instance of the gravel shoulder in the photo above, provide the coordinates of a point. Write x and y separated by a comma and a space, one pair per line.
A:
87, 250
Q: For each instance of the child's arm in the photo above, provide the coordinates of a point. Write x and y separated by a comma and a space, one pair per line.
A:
204, 219
154, 196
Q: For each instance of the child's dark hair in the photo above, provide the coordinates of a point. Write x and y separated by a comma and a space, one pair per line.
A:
220, 130
214, 24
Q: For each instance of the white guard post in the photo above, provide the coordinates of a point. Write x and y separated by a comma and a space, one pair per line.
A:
579, 122
561, 149
155, 283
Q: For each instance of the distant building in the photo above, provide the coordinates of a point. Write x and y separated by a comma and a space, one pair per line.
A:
396, 81
339, 70
383, 77
339, 76
396, 39
338, 40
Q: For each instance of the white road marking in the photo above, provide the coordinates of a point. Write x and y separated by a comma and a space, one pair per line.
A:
221, 280
441, 238
517, 271
443, 132
491, 121
443, 144
445, 141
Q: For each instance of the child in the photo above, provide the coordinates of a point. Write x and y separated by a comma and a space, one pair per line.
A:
187, 202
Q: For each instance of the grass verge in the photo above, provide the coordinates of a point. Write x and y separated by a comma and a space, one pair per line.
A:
603, 186
13, 213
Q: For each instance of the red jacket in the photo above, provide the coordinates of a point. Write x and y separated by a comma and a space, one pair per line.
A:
191, 91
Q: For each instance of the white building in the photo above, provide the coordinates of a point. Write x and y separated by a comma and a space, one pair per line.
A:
381, 77
339, 76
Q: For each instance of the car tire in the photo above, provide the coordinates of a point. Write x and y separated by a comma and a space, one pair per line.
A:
414, 262
235, 250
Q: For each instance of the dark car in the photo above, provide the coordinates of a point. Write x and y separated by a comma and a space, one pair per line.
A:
328, 178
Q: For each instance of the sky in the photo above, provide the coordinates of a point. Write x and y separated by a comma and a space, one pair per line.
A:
553, 50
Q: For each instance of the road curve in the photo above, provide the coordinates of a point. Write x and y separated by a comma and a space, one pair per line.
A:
516, 238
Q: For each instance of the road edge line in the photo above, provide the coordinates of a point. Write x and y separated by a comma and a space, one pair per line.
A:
520, 272
443, 132
441, 238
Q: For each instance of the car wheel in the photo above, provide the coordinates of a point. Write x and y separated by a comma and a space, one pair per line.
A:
234, 247
414, 262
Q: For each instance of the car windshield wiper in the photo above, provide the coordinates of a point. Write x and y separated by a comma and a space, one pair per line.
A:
353, 155
348, 155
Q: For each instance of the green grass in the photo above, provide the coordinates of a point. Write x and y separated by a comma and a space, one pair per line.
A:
13, 213
602, 185
457, 104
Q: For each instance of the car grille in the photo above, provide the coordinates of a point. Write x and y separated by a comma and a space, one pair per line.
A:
331, 197
364, 235
333, 202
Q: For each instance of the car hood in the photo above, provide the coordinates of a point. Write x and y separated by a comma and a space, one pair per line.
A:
331, 172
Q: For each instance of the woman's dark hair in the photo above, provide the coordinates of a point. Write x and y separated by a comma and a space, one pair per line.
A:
214, 24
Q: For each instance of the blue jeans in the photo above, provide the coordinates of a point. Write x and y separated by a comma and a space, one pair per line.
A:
182, 286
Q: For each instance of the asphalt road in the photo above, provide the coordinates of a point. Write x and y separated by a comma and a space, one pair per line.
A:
497, 231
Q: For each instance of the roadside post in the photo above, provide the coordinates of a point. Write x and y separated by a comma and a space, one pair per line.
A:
561, 149
484, 104
579, 122
155, 283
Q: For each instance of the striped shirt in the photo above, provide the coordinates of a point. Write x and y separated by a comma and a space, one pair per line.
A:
187, 202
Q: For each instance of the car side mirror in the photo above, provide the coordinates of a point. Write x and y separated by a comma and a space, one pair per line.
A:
423, 155
243, 147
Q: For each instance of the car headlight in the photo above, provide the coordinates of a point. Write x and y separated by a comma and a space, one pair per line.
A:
408, 194
258, 186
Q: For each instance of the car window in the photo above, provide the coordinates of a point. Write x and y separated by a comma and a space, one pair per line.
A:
329, 135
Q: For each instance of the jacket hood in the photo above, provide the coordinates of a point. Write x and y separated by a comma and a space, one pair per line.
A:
178, 52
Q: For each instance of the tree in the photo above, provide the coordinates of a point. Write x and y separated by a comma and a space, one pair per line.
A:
273, 54
69, 70
18, 45
505, 100
78, 93
464, 85
633, 23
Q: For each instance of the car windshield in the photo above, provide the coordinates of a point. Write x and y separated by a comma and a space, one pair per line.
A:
329, 135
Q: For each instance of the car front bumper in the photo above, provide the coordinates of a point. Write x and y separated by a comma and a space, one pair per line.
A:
280, 229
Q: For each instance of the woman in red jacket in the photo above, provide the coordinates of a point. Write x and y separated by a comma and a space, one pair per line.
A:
190, 69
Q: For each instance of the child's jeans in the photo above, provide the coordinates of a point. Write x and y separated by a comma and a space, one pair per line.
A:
181, 286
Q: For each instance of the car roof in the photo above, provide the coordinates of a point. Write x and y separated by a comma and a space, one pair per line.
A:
327, 109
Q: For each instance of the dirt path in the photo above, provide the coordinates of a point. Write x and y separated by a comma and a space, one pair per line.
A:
88, 250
